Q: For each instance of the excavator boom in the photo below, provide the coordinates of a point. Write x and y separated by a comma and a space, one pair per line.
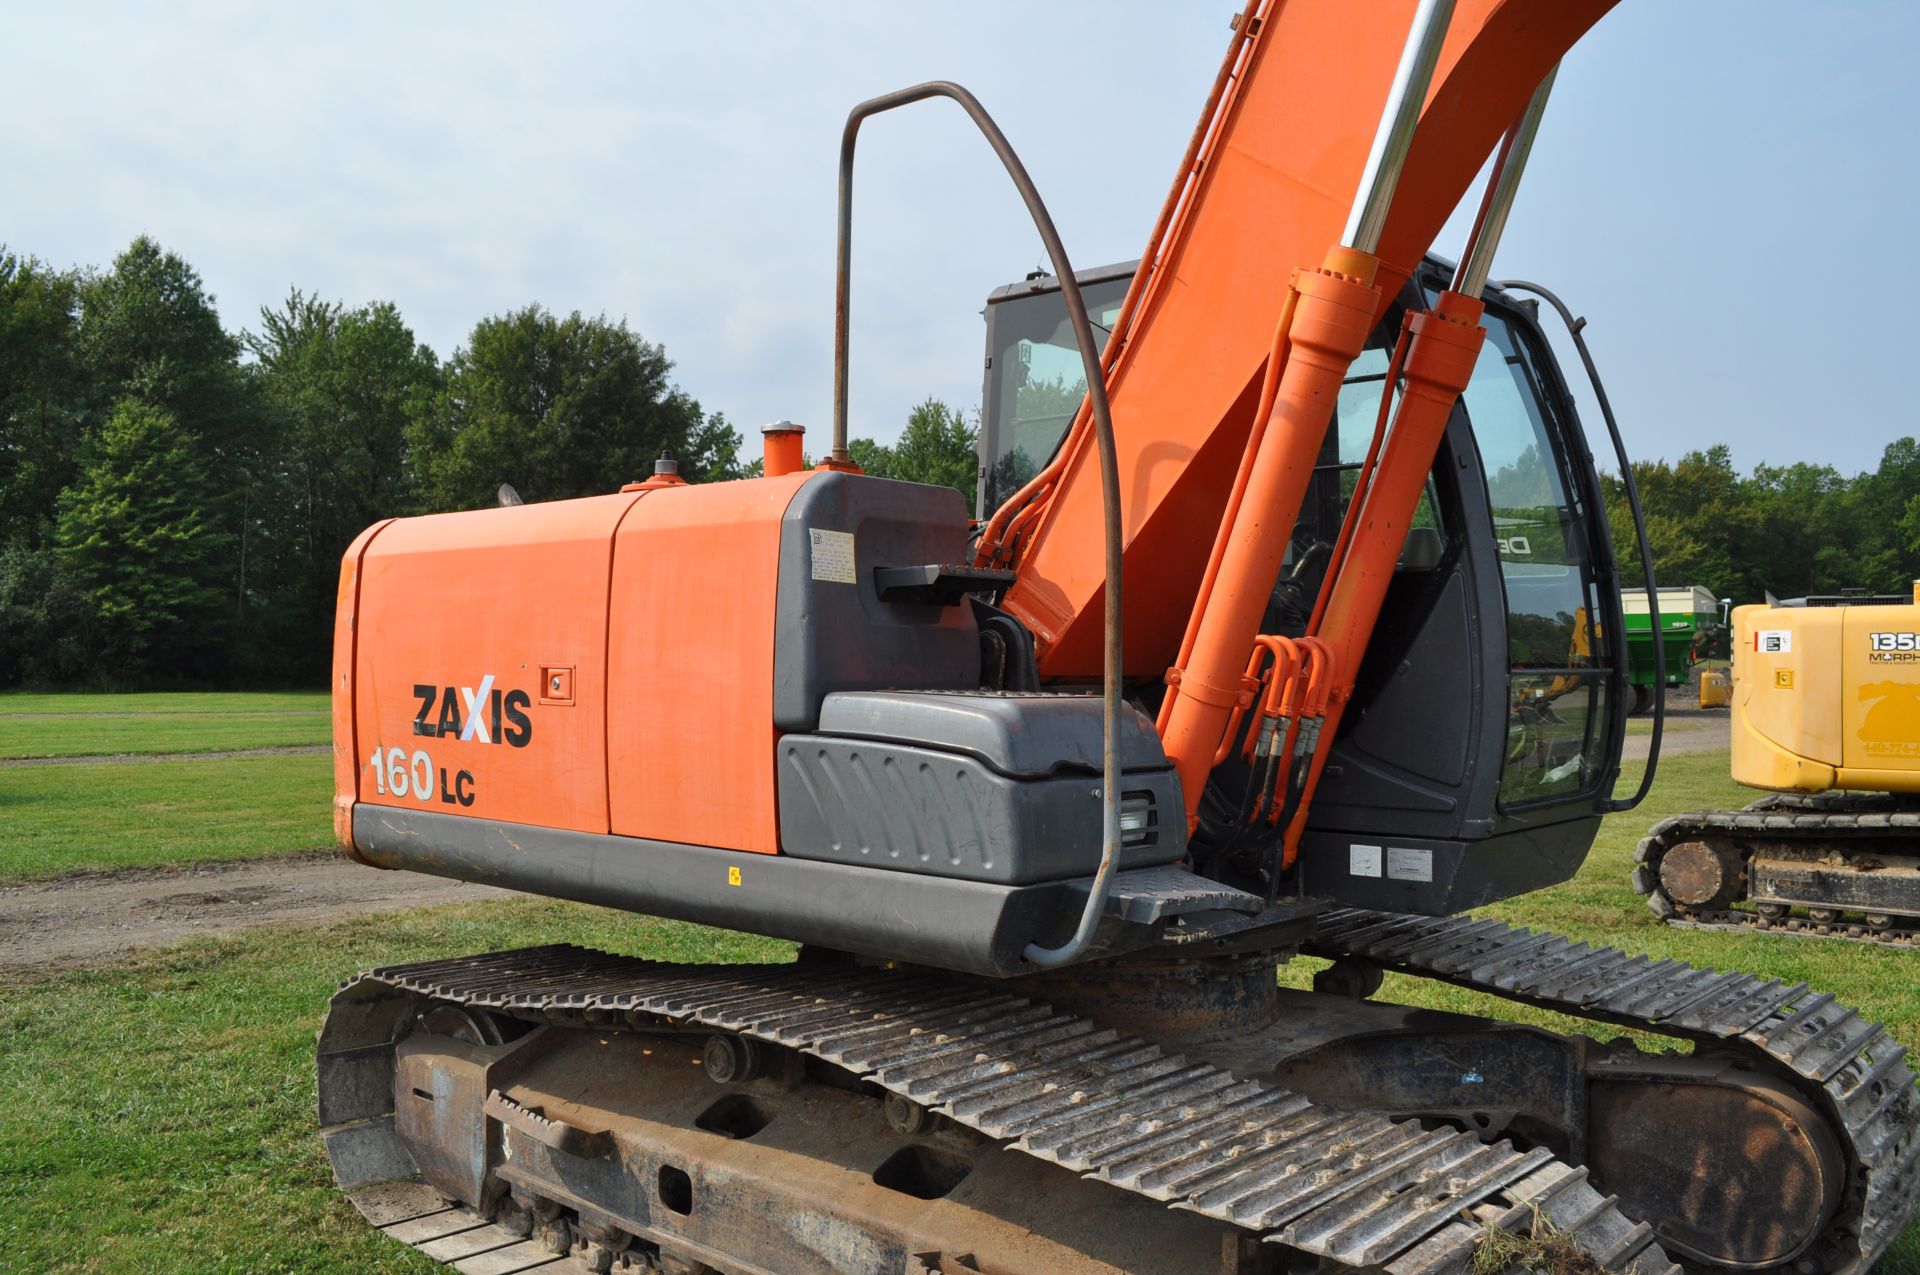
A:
1265, 193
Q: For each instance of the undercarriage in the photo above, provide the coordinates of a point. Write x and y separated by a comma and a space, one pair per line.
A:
1828, 865
504, 1111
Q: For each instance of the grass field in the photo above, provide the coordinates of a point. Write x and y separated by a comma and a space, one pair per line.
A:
93, 816
61, 819
204, 703
160, 1113
88, 725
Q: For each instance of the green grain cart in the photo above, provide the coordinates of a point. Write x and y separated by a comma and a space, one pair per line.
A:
1687, 615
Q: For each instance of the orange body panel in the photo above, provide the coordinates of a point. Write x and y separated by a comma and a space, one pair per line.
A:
690, 734
463, 621
1278, 181
472, 662
346, 747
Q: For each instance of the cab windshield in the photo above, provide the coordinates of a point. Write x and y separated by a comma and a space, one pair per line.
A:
1558, 658
1035, 381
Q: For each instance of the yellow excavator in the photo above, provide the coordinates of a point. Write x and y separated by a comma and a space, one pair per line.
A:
1826, 717
1241, 667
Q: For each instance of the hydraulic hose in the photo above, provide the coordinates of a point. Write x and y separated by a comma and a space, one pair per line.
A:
1113, 703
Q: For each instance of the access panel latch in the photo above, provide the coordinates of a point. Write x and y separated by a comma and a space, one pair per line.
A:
942, 584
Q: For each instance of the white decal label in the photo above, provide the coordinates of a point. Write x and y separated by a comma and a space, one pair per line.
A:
1773, 641
832, 556
1364, 861
1409, 865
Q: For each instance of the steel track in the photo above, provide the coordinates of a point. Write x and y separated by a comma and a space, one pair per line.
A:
1787, 818
1858, 1073
1358, 1189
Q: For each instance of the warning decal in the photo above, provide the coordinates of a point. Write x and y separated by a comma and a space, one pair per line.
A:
1773, 641
832, 556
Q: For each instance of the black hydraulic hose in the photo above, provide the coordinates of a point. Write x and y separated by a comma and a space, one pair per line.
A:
1254, 803
1103, 436
1575, 327
1296, 788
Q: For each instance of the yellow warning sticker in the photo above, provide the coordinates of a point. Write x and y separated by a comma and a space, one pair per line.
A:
733, 876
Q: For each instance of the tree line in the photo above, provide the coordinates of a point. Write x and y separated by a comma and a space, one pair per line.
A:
1789, 530
175, 497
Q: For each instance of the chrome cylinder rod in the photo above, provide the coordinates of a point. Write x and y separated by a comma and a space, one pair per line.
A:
1470, 279
1395, 135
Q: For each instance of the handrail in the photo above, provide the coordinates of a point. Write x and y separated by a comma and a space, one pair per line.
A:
1103, 431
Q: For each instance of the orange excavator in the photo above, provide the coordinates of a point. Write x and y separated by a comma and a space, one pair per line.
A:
1249, 663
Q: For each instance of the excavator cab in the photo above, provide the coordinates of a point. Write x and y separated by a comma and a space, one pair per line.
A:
1483, 739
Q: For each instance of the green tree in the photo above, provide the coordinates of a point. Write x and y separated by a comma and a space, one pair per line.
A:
146, 555
338, 388
149, 330
48, 632
1698, 522
1789, 530
938, 446
559, 407
874, 458
1872, 509
43, 395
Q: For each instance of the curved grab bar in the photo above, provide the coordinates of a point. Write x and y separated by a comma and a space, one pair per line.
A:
1103, 433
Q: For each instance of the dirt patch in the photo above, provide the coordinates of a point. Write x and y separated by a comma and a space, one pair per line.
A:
117, 759
1689, 728
93, 918
191, 903
1682, 736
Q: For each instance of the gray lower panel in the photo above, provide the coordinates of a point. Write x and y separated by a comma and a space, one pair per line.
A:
923, 810
975, 927
1432, 877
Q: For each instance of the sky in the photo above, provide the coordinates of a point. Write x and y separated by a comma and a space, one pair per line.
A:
1720, 186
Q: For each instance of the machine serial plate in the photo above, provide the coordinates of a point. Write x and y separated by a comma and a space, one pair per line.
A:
1409, 865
